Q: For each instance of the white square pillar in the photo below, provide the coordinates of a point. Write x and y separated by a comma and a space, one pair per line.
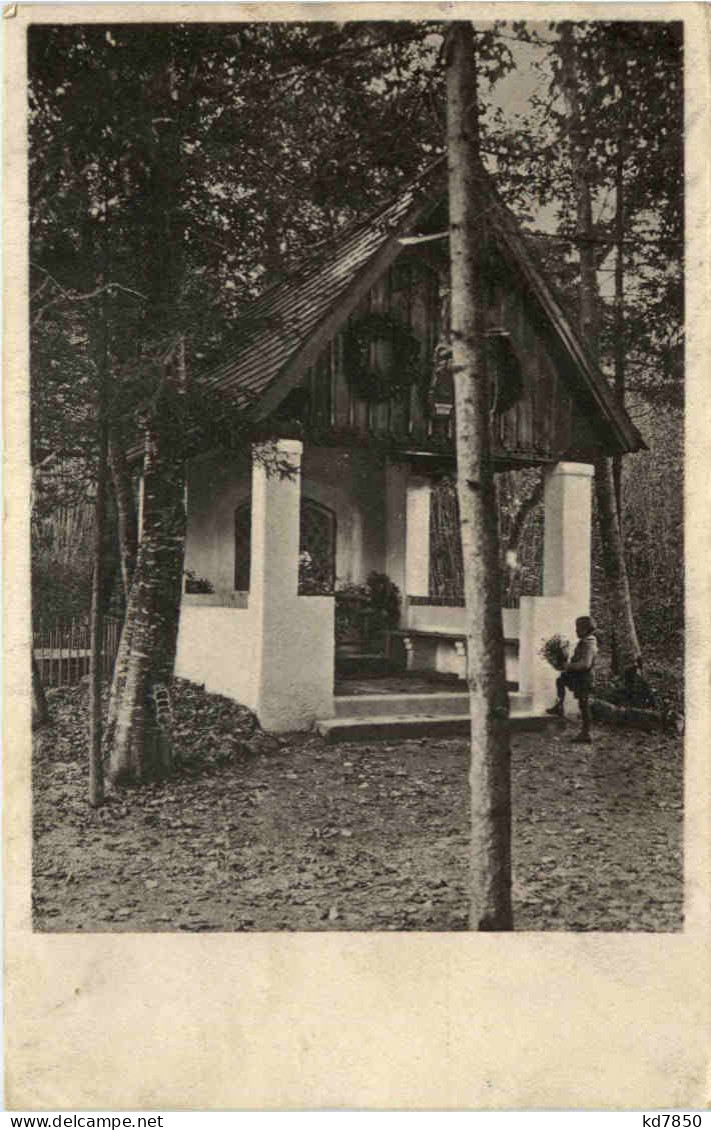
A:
294, 635
276, 503
567, 536
417, 552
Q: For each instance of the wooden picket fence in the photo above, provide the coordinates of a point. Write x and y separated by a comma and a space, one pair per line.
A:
62, 651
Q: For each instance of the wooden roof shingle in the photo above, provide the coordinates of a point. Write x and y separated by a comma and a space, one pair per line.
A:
287, 314
291, 322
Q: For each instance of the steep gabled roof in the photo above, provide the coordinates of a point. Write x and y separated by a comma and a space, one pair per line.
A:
510, 238
288, 314
292, 322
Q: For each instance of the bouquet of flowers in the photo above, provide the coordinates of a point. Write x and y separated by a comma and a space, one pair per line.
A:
556, 651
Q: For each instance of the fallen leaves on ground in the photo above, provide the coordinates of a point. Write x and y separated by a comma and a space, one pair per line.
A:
262, 833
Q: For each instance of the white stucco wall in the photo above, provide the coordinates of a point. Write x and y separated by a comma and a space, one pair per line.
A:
567, 536
296, 674
367, 495
566, 576
352, 484
217, 485
297, 632
276, 655
219, 647
541, 618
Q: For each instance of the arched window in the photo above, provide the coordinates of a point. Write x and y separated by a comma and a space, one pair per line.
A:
317, 548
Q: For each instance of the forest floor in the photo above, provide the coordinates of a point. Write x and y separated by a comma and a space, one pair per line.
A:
255, 833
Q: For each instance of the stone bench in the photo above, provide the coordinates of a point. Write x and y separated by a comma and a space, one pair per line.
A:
441, 649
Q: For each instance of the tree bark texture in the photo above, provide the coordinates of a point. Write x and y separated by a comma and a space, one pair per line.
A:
619, 307
490, 773
96, 765
40, 710
627, 649
125, 509
138, 737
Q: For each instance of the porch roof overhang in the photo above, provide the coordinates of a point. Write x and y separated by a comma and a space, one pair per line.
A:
294, 320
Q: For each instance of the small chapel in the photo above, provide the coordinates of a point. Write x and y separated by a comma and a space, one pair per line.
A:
340, 367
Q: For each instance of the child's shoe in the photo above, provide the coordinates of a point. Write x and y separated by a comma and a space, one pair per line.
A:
556, 711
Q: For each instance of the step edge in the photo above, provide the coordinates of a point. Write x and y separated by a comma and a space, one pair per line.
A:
414, 719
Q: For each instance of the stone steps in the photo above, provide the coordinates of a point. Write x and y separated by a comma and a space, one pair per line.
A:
391, 727
416, 705
389, 716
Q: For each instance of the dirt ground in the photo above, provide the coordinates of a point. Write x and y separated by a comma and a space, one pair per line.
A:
259, 834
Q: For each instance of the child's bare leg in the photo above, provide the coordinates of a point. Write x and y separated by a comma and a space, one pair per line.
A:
585, 734
559, 708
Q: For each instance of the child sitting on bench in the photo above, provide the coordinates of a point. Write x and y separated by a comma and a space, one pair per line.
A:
578, 676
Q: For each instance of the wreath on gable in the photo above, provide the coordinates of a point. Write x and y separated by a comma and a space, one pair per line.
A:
380, 382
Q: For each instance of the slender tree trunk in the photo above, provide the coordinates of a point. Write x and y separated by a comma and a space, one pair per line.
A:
96, 765
626, 644
99, 598
589, 301
628, 654
490, 907
619, 302
40, 710
138, 736
125, 509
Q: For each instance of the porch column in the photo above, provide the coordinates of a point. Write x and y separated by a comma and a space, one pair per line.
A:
295, 649
276, 501
417, 553
567, 536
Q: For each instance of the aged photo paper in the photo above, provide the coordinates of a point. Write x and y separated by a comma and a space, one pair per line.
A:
348, 1020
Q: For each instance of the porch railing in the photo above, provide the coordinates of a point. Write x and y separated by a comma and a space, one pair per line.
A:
62, 651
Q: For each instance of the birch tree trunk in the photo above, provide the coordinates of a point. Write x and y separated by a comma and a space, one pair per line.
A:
138, 737
490, 773
40, 710
628, 652
125, 509
96, 765
619, 312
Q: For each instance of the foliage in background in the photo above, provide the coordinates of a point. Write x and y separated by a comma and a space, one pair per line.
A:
366, 610
630, 90
654, 542
520, 535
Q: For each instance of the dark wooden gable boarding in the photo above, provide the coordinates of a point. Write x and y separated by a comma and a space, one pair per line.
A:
551, 401
543, 424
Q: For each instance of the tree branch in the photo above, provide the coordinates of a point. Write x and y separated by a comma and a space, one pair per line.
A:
73, 296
